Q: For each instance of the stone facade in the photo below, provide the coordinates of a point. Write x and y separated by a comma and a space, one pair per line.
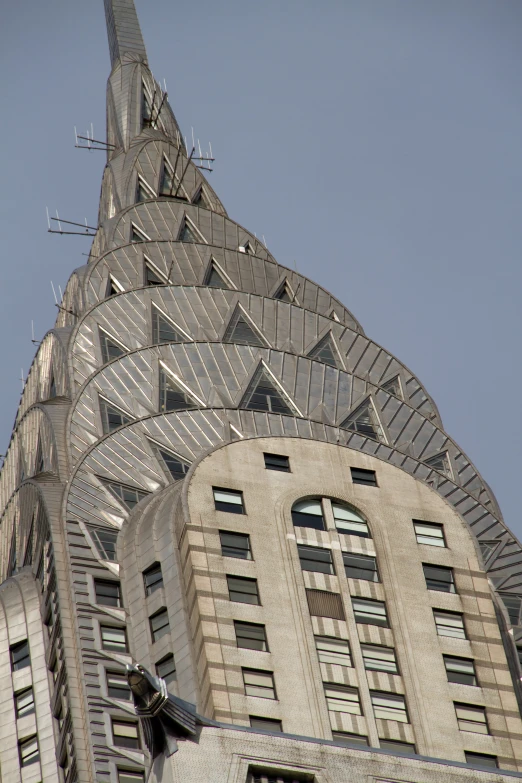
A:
217, 479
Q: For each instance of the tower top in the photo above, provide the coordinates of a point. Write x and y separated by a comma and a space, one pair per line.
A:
123, 29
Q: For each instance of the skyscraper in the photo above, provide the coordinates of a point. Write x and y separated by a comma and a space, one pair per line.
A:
236, 542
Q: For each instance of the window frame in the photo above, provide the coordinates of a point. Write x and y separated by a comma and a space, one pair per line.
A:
261, 673
462, 721
32, 706
433, 526
151, 587
281, 467
360, 570
365, 645
303, 548
247, 549
13, 649
252, 626
121, 675
399, 698
244, 579
262, 719
104, 627
232, 507
162, 630
359, 479
473, 675
372, 601
171, 675
24, 742
117, 721
337, 687
345, 658
440, 569
105, 583
480, 756
442, 612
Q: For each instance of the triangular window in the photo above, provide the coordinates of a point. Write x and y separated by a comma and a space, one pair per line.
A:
164, 331
11, 566
52, 386
105, 541
441, 463
264, 395
21, 467
152, 277
147, 110
112, 417
488, 547
129, 496
113, 287
170, 185
137, 235
325, 352
214, 279
176, 467
28, 559
239, 330
110, 348
188, 233
201, 200
284, 293
39, 462
364, 421
173, 397
335, 317
393, 386
143, 192
246, 248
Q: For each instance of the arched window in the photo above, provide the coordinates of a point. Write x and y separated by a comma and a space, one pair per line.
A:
308, 513
349, 522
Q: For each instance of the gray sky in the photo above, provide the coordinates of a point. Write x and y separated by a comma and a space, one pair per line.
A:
374, 142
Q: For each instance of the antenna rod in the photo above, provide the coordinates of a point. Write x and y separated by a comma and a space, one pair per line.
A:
71, 223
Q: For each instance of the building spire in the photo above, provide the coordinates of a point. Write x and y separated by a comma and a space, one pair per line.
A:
123, 29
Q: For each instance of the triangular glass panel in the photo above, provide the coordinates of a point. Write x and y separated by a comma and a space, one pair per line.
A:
109, 348
152, 277
173, 396
188, 234
240, 331
144, 193
201, 199
393, 386
112, 417
52, 386
364, 421
21, 467
112, 288
11, 566
129, 496
146, 108
28, 559
136, 235
284, 294
487, 548
440, 462
170, 185
163, 330
263, 395
214, 279
39, 463
105, 540
246, 248
176, 467
325, 351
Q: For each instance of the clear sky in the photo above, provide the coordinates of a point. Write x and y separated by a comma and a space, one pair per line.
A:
376, 143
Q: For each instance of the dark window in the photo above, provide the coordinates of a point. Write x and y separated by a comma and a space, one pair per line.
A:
429, 533
379, 659
266, 724
277, 462
362, 476
235, 545
176, 466
323, 603
130, 776
163, 330
461, 670
439, 578
273, 776
259, 683
105, 541
109, 348
251, 635
129, 496
125, 734
24, 702
228, 500
28, 751
308, 513
114, 639
370, 612
107, 593
243, 590
360, 567
315, 558
471, 717
345, 738
172, 395
401, 748
152, 278
513, 604
152, 579
214, 279
481, 760
159, 625
166, 669
118, 686
20, 657
112, 417
263, 395
449, 624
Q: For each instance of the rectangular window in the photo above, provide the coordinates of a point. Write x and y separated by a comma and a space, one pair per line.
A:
342, 698
274, 776
333, 650
379, 659
277, 462
114, 639
389, 706
24, 702
323, 603
130, 776
398, 747
439, 578
228, 500
429, 533
107, 593
251, 635
235, 545
20, 657
348, 522
266, 724
166, 669
259, 683
152, 578
370, 612
471, 717
315, 558
125, 734
159, 625
28, 751
449, 624
360, 567
243, 590
345, 738
481, 760
105, 541
461, 670
118, 686
362, 476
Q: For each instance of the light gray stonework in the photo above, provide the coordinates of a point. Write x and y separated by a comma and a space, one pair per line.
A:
183, 353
